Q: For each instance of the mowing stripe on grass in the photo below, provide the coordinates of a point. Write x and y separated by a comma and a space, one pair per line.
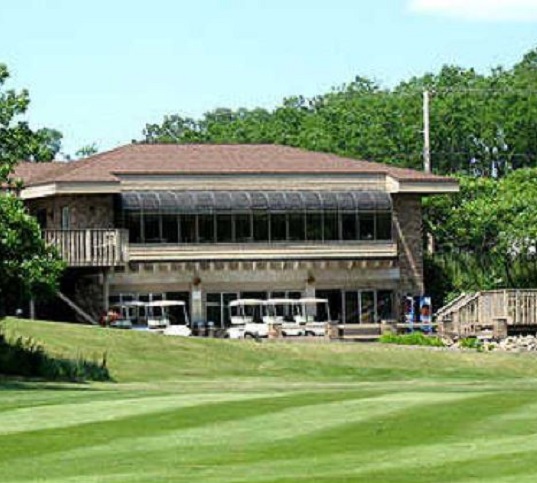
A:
73, 414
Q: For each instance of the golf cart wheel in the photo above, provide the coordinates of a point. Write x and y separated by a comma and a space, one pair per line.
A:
309, 333
249, 336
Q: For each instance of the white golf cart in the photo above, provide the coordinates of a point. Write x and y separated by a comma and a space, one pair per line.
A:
159, 319
314, 315
282, 312
243, 315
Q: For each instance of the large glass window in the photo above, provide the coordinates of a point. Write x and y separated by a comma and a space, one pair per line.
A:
297, 227
314, 226
278, 227
367, 307
224, 229
349, 227
384, 226
206, 228
152, 229
385, 304
261, 227
133, 223
331, 226
367, 226
170, 229
352, 309
243, 228
257, 227
188, 228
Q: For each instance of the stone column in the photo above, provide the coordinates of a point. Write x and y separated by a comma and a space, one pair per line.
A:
407, 224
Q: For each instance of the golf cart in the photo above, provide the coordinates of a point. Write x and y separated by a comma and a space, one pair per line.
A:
283, 312
314, 315
160, 320
245, 316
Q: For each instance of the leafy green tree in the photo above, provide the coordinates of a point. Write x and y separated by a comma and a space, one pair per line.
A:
486, 235
28, 266
87, 150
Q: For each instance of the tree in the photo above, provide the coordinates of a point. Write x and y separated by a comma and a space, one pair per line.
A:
28, 267
87, 150
486, 235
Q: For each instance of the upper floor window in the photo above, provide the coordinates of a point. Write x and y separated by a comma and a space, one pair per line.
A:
318, 227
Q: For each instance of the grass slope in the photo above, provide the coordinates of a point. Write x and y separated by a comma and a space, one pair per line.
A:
231, 411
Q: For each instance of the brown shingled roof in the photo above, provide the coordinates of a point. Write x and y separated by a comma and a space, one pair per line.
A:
207, 159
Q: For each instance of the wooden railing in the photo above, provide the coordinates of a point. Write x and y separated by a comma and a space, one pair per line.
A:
91, 247
487, 308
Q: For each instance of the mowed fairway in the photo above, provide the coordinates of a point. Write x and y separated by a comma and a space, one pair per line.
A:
215, 411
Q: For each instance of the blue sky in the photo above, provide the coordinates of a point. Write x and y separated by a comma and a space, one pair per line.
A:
100, 70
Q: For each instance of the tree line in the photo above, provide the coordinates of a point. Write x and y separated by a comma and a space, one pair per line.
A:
483, 130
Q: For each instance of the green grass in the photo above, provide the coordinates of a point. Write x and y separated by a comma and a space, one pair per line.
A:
234, 411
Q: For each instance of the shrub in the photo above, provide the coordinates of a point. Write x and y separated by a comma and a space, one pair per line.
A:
414, 338
471, 343
25, 357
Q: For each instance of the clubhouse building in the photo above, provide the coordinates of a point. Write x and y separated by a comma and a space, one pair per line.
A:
208, 224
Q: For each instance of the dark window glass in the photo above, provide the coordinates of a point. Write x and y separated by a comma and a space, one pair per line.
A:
170, 229
352, 313
206, 228
224, 229
367, 226
243, 228
278, 227
348, 226
335, 303
261, 224
214, 309
133, 223
226, 298
385, 304
188, 228
367, 307
331, 226
314, 226
297, 228
152, 229
384, 226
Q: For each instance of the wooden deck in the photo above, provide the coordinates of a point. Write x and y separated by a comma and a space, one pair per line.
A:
492, 309
90, 248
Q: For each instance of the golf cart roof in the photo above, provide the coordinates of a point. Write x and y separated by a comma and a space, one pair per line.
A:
281, 301
312, 300
165, 303
236, 303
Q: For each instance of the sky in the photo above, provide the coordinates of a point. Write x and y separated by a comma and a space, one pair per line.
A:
99, 70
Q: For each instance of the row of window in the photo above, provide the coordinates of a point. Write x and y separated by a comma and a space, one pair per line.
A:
257, 227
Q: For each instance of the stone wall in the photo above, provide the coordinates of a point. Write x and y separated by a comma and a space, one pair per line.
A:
407, 222
85, 211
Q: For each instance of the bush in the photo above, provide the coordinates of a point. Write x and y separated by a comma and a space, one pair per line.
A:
415, 338
24, 357
471, 343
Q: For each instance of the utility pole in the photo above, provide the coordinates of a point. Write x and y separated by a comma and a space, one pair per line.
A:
426, 138
427, 156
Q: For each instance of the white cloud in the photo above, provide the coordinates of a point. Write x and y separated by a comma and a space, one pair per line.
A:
493, 10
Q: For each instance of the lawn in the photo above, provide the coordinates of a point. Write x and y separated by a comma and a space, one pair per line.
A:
213, 411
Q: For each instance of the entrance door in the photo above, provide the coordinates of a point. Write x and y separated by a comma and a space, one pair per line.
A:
352, 308
335, 303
